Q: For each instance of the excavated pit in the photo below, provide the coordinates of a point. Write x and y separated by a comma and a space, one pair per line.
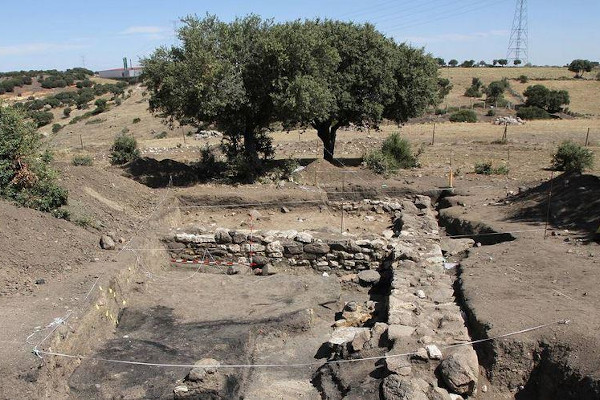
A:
180, 310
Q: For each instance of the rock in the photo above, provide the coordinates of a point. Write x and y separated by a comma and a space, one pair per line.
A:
344, 335
369, 277
460, 371
303, 237
238, 237
420, 294
259, 260
422, 202
40, 281
222, 236
433, 352
204, 366
292, 248
397, 331
455, 247
255, 215
396, 387
316, 248
107, 243
180, 391
399, 365
285, 210
360, 339
233, 270
275, 247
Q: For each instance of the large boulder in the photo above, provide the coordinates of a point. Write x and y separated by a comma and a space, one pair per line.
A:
460, 371
222, 236
456, 247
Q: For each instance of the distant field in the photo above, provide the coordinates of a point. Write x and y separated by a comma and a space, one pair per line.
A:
585, 94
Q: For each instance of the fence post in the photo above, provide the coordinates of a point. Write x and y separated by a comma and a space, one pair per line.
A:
587, 138
81, 141
433, 135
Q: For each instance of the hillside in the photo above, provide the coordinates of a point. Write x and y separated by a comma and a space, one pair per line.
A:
583, 92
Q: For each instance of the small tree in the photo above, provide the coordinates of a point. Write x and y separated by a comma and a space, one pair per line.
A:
67, 112
124, 150
517, 62
444, 88
440, 61
536, 96
453, 63
475, 89
556, 99
495, 91
101, 106
571, 157
503, 62
580, 66
468, 64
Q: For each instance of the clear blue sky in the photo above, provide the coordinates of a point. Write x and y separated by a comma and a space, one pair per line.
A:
65, 33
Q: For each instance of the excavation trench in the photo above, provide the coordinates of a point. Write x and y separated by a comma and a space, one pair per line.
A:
235, 288
543, 366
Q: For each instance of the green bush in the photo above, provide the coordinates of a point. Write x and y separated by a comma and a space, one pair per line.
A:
473, 92
56, 128
61, 213
136, 120
395, 153
464, 116
41, 118
67, 112
491, 112
523, 79
25, 174
572, 157
124, 149
82, 160
101, 106
161, 135
400, 151
378, 162
486, 168
532, 113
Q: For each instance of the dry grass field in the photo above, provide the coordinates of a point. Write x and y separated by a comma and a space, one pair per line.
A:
585, 93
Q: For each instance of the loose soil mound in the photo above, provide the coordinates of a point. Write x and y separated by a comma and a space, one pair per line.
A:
574, 203
37, 246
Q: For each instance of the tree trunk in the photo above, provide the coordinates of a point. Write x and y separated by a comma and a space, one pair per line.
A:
327, 134
250, 145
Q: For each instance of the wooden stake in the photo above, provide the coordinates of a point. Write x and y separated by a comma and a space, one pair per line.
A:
81, 141
587, 138
342, 221
548, 210
451, 179
504, 136
182, 134
433, 135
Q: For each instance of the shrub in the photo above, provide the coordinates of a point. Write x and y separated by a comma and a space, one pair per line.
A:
101, 106
118, 102
395, 153
56, 128
67, 112
464, 116
82, 160
41, 118
491, 112
440, 111
136, 120
400, 151
532, 113
483, 168
572, 157
25, 175
473, 92
61, 213
124, 149
523, 79
486, 168
161, 135
377, 162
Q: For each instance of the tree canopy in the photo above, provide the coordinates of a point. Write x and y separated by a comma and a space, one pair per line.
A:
580, 66
245, 75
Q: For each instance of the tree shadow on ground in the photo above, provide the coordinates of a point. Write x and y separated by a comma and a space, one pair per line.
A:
574, 203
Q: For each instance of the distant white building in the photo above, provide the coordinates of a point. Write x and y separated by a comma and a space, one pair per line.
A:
121, 73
